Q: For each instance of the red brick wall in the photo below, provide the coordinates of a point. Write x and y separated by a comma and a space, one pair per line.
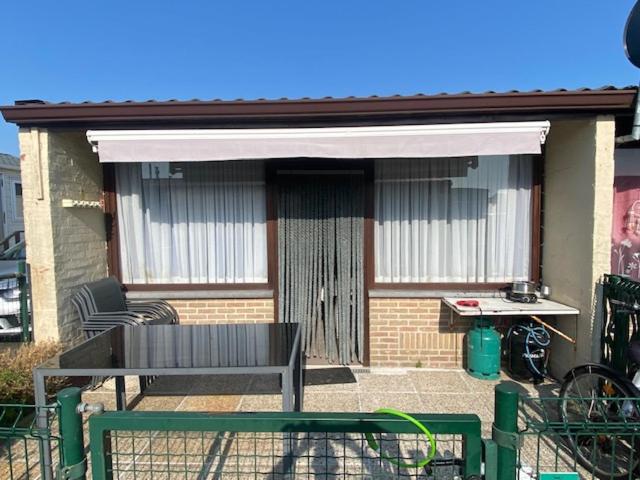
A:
224, 310
404, 332
408, 332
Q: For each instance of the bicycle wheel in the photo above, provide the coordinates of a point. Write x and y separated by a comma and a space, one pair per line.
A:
592, 395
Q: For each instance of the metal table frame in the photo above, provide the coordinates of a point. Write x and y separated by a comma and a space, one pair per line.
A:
292, 386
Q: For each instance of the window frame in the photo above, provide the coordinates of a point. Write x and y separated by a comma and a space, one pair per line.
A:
535, 254
113, 245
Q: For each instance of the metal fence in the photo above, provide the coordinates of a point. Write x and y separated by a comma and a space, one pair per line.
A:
620, 325
15, 317
186, 445
22, 443
531, 437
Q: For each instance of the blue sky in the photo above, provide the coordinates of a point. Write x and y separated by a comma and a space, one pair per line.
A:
79, 50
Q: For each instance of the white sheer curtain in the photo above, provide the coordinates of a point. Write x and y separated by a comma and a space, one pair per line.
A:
192, 222
453, 219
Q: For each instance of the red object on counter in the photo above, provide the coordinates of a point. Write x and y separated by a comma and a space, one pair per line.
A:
468, 303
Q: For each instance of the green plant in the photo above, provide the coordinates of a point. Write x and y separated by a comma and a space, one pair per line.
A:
16, 365
419, 364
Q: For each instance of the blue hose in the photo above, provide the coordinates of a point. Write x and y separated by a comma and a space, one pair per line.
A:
538, 336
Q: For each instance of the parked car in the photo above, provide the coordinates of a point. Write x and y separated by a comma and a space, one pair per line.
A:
10, 327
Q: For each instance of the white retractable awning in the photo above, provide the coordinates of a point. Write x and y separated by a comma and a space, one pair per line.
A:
397, 141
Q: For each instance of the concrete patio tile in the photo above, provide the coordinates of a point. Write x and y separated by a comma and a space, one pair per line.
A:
546, 389
220, 384
440, 381
171, 385
406, 402
479, 385
210, 403
386, 383
457, 403
264, 384
131, 384
333, 387
261, 403
159, 404
331, 402
108, 399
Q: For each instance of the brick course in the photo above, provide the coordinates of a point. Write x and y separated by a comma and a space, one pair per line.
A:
202, 311
66, 246
411, 332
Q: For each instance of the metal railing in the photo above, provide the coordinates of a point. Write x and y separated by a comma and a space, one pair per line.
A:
29, 452
530, 437
14, 304
620, 325
279, 445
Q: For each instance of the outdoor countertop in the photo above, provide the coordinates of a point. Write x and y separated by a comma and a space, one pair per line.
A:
501, 307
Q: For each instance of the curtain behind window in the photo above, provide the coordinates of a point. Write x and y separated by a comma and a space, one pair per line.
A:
192, 222
453, 219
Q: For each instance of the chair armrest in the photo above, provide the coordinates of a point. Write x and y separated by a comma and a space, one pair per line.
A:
155, 308
118, 318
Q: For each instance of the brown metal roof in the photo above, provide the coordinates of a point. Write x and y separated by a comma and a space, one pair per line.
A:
607, 99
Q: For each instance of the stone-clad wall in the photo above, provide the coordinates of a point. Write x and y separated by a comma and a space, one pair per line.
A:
65, 246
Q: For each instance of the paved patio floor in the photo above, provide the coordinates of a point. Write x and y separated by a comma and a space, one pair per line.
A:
408, 390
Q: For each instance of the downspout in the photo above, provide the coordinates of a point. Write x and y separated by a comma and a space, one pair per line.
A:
635, 131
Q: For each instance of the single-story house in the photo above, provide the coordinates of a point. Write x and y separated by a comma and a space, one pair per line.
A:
353, 215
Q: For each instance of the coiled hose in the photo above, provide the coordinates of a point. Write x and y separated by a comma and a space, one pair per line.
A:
538, 336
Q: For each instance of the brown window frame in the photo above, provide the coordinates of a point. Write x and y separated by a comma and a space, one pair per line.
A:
535, 254
113, 246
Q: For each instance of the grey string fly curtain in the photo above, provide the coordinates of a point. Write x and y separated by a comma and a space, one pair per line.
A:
320, 246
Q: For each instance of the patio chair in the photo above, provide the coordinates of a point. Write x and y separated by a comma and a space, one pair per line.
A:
102, 305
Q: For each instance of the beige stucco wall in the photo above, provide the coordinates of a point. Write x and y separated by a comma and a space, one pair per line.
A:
578, 202
65, 246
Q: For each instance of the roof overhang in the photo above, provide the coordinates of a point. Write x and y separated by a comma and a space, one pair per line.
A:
287, 112
397, 141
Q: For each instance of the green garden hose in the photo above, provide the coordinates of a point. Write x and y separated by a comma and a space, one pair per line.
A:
432, 441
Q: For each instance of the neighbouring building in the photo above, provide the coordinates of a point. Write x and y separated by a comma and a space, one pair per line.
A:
10, 196
357, 215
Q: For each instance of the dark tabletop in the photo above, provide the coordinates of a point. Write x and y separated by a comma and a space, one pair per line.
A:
182, 346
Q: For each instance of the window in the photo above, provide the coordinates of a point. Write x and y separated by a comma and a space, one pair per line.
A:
201, 222
18, 200
453, 220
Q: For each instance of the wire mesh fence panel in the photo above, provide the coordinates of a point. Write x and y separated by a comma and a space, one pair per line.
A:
22, 444
191, 455
304, 450
593, 437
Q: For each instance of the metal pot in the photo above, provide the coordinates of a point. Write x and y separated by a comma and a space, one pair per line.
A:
523, 288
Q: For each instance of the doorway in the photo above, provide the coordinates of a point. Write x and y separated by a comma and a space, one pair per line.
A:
321, 261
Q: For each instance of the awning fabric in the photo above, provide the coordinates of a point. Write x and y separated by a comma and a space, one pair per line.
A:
397, 141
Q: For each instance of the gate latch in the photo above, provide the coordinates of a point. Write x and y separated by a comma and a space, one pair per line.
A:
71, 472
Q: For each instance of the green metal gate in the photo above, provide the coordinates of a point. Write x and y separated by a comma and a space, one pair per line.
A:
529, 439
277, 445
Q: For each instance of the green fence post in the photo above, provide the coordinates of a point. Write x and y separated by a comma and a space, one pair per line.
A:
24, 303
620, 340
505, 430
73, 462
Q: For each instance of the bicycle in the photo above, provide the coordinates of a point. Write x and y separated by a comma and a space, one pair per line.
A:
600, 408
